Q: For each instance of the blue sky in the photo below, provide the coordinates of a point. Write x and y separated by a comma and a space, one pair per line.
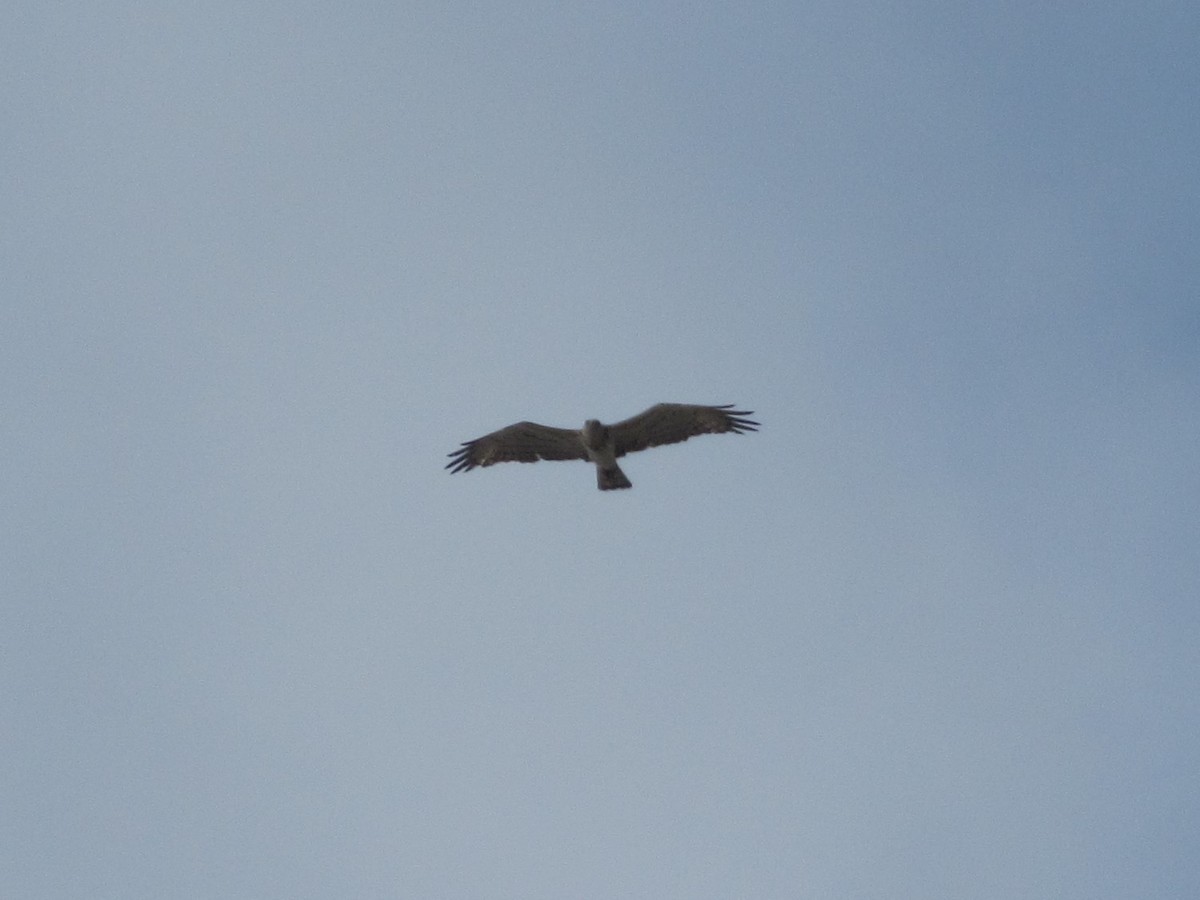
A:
931, 633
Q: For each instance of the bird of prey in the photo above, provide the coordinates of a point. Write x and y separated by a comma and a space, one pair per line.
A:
663, 423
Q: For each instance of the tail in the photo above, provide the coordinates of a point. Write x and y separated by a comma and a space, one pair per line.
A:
611, 478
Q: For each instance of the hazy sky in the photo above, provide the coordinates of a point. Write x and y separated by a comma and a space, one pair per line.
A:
934, 632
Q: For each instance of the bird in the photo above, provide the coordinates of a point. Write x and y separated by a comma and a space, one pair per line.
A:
603, 445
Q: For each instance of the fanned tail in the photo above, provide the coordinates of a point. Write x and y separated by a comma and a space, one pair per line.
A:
611, 478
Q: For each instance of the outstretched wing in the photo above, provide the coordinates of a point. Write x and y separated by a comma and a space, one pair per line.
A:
523, 442
670, 423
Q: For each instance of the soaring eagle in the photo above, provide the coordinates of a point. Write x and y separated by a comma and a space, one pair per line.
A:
664, 423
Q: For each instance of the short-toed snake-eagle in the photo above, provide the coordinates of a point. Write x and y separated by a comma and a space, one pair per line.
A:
664, 423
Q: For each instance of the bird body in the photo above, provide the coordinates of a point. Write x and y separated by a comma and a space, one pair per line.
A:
601, 449
602, 445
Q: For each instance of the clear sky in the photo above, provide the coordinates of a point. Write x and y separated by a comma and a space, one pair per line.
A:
933, 632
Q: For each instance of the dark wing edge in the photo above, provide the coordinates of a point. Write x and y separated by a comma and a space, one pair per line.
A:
522, 442
670, 423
